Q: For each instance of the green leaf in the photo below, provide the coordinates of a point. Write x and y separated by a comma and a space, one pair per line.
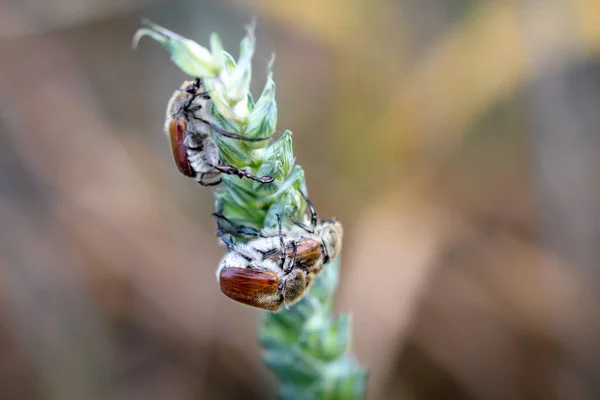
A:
251, 102
328, 341
263, 119
292, 365
188, 55
230, 91
242, 73
216, 50
282, 151
346, 380
293, 182
229, 61
324, 287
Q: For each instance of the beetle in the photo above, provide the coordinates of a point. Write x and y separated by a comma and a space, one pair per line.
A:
195, 152
256, 273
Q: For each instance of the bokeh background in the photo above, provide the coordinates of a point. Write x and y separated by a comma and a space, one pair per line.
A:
458, 142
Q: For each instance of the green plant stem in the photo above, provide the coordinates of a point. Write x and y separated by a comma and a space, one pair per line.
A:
306, 347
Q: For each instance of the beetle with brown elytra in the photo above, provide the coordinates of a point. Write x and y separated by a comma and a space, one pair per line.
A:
256, 273
195, 152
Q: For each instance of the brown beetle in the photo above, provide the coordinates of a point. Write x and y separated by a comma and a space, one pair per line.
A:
256, 273
195, 152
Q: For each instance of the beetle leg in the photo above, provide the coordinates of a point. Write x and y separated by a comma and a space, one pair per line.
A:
282, 262
240, 229
313, 213
303, 226
325, 254
227, 239
230, 170
229, 243
232, 135
220, 230
293, 260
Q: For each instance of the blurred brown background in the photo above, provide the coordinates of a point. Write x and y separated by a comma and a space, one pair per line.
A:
458, 141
